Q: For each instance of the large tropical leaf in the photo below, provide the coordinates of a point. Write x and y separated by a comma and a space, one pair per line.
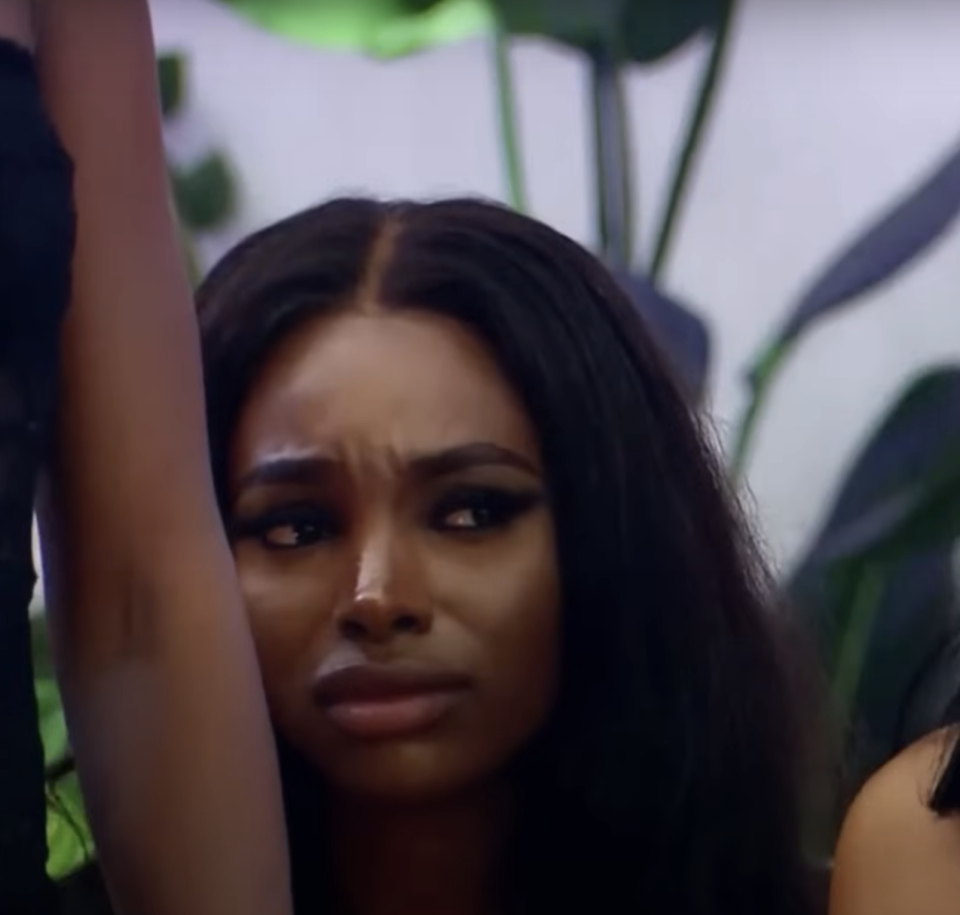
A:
682, 335
878, 583
885, 653
900, 236
933, 697
920, 218
904, 492
382, 28
575, 22
655, 28
643, 30
68, 837
904, 690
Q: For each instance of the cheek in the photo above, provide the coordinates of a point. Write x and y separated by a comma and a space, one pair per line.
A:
290, 606
509, 601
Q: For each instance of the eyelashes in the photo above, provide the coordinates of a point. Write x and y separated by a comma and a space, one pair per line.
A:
288, 527
476, 509
463, 512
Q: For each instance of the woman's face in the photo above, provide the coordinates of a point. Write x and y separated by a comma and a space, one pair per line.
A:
395, 549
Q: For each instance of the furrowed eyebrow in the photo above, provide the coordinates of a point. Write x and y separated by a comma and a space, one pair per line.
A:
286, 470
316, 469
473, 454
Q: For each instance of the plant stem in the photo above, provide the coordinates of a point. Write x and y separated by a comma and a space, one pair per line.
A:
507, 117
612, 157
761, 381
856, 637
695, 131
191, 259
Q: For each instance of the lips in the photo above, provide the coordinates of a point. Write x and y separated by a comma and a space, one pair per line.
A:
374, 701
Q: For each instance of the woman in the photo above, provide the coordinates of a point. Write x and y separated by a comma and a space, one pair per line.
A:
516, 648
899, 849
443, 443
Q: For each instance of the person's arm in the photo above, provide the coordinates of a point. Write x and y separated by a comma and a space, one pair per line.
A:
161, 687
895, 856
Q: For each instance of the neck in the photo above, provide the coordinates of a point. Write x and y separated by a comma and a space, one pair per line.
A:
401, 860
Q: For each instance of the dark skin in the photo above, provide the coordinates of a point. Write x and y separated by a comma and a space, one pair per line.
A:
389, 505
154, 656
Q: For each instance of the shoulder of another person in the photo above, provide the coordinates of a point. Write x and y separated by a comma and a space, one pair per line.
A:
895, 856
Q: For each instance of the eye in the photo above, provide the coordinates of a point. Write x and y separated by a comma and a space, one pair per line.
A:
289, 528
476, 509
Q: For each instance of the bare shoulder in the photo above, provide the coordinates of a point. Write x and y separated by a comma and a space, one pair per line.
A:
895, 856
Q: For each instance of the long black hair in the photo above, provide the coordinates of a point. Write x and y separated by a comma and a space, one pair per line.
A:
944, 800
669, 778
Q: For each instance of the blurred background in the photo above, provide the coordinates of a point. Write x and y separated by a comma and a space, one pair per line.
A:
825, 113
775, 182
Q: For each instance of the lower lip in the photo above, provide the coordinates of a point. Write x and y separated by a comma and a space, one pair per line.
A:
386, 718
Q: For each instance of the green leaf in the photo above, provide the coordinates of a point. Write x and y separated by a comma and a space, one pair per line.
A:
171, 75
575, 22
682, 334
53, 730
40, 648
69, 841
655, 28
68, 836
642, 30
908, 229
877, 584
881, 629
903, 494
382, 28
204, 194
912, 224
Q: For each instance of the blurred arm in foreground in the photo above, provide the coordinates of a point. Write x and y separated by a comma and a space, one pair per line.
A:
161, 687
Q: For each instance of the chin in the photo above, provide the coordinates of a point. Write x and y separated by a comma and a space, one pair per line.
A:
403, 772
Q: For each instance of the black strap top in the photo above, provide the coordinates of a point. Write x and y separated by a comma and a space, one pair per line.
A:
36, 244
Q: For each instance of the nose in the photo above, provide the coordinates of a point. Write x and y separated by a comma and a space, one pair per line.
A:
388, 598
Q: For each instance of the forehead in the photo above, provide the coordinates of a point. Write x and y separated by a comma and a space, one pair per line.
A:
406, 382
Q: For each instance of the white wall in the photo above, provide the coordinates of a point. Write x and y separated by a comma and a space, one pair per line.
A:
828, 109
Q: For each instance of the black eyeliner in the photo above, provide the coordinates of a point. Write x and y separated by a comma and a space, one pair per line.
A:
505, 503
